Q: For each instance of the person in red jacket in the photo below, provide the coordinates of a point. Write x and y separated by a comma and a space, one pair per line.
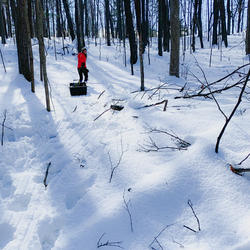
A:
81, 67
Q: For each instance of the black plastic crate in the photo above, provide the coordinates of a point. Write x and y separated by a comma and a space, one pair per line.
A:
76, 89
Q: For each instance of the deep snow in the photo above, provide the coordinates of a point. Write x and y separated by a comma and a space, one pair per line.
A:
79, 205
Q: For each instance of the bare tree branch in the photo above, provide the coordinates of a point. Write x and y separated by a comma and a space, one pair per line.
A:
126, 203
108, 243
232, 113
244, 159
46, 175
3, 126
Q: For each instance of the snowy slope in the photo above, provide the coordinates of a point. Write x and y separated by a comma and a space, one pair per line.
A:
80, 206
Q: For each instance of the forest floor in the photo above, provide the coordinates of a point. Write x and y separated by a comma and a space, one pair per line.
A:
147, 202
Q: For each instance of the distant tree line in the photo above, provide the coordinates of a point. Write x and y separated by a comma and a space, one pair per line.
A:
138, 21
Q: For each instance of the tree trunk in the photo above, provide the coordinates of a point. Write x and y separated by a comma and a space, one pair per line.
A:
228, 17
166, 25
39, 23
9, 19
131, 33
223, 21
160, 3
248, 30
139, 29
86, 18
240, 7
24, 47
58, 19
175, 38
107, 18
199, 23
79, 27
69, 19
2, 29
215, 23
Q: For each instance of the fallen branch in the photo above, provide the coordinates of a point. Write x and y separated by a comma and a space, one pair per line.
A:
155, 104
46, 175
157, 236
113, 107
151, 146
178, 141
126, 203
244, 159
74, 109
100, 94
197, 219
3, 126
190, 228
108, 243
238, 171
102, 114
113, 168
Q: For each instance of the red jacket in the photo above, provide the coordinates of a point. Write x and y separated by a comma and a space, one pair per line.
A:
81, 59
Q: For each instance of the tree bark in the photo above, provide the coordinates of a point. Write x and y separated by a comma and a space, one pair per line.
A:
228, 17
24, 47
175, 38
160, 3
107, 18
215, 23
131, 33
39, 23
223, 21
69, 19
139, 29
166, 25
2, 29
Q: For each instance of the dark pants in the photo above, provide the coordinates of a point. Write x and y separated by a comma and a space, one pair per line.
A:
83, 71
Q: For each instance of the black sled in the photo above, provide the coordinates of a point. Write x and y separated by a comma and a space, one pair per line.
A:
77, 88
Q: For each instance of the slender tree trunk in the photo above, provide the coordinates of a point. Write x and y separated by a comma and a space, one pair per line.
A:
240, 7
107, 18
223, 21
58, 20
86, 18
2, 28
228, 17
199, 23
30, 18
175, 38
69, 19
79, 27
215, 23
47, 20
248, 30
39, 23
160, 3
139, 27
194, 24
9, 19
119, 20
131, 33
166, 25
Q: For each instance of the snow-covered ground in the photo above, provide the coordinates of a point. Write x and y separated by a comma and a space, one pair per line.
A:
149, 198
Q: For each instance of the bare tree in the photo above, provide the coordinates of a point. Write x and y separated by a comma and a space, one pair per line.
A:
43, 72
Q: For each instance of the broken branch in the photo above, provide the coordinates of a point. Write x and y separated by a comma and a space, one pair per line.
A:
46, 175
3, 126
